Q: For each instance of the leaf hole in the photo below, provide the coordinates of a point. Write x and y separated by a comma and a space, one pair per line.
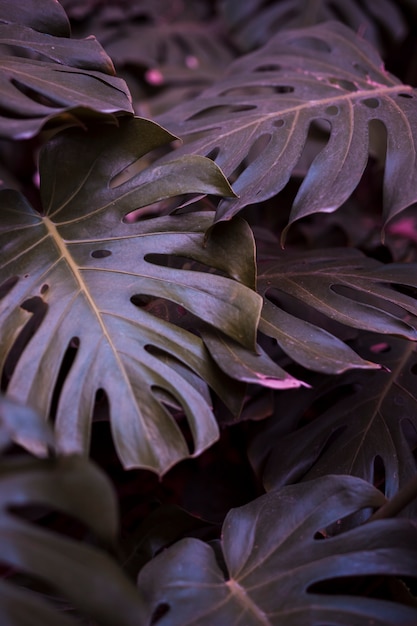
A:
379, 473
213, 154
405, 95
270, 67
44, 289
258, 147
101, 409
243, 108
161, 207
8, 285
332, 110
38, 308
174, 408
100, 254
361, 69
222, 110
317, 137
159, 307
284, 89
159, 612
278, 123
347, 85
65, 367
139, 165
380, 586
257, 90
371, 103
380, 348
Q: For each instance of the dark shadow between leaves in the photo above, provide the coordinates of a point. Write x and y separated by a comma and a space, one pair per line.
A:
66, 365
38, 308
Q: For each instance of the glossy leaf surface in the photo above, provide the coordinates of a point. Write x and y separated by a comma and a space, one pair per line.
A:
254, 22
83, 575
256, 119
344, 286
79, 273
46, 77
370, 432
273, 561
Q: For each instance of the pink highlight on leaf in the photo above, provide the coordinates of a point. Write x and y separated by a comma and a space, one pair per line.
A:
154, 77
192, 62
406, 227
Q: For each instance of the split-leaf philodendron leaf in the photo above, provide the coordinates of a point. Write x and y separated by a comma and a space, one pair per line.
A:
275, 558
83, 575
255, 121
370, 432
74, 278
255, 21
343, 285
48, 78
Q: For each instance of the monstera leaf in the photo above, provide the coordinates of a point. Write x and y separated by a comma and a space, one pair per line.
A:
369, 432
46, 16
274, 563
344, 286
253, 23
255, 121
75, 278
86, 576
49, 77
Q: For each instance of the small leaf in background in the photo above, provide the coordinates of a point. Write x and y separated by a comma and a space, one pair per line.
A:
276, 562
167, 53
254, 22
369, 430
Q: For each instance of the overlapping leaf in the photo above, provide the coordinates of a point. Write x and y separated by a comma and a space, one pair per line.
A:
47, 16
370, 432
253, 23
74, 278
274, 562
255, 121
87, 577
49, 77
344, 286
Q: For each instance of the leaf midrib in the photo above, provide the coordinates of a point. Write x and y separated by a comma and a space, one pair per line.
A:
64, 254
306, 104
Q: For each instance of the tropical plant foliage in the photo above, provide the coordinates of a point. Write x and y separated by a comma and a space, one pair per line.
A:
208, 277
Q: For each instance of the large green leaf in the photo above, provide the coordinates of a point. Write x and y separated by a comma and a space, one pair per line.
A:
86, 577
255, 121
368, 429
344, 286
274, 562
79, 272
45, 78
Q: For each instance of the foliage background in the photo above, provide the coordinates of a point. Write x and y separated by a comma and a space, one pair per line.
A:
312, 131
